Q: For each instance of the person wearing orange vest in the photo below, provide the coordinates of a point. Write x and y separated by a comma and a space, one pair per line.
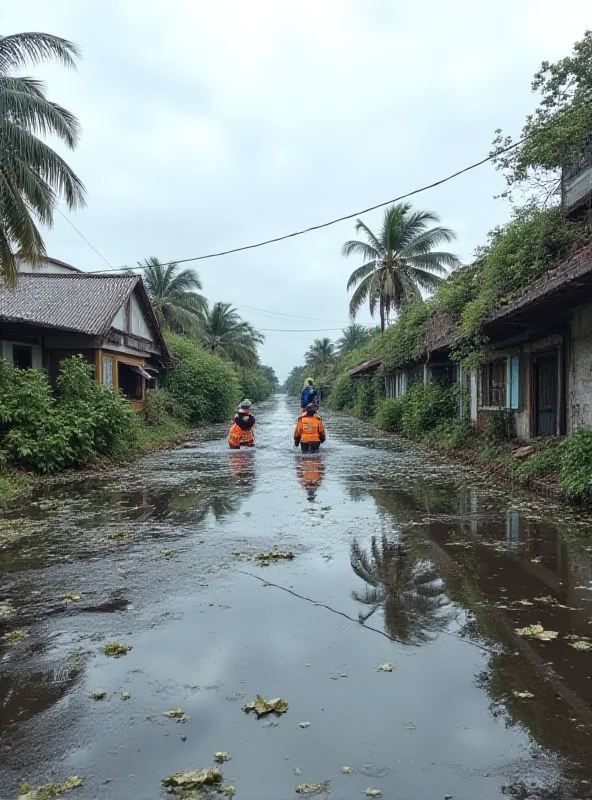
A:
310, 430
241, 433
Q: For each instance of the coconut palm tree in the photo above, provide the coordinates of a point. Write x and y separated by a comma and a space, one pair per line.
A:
33, 177
399, 261
409, 590
353, 336
320, 355
227, 335
175, 300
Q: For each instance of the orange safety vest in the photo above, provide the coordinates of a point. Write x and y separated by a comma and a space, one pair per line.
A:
309, 429
238, 437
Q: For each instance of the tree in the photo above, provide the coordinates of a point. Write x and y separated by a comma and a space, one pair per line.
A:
353, 336
174, 299
320, 355
269, 373
227, 335
408, 589
559, 133
32, 175
398, 262
293, 383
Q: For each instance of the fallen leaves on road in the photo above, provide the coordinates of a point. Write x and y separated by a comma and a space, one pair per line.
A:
386, 667
6, 609
261, 706
98, 695
193, 779
537, 632
312, 788
220, 757
523, 695
49, 790
274, 555
116, 650
14, 637
70, 597
117, 536
178, 714
304, 724
372, 792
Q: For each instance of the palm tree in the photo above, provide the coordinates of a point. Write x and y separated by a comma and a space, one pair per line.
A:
227, 335
398, 262
353, 336
174, 299
33, 177
320, 355
409, 590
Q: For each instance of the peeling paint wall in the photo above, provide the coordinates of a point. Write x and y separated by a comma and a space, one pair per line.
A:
579, 373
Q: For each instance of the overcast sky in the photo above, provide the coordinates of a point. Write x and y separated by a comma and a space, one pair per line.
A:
212, 125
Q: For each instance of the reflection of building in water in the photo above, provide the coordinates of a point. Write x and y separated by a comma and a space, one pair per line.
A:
310, 471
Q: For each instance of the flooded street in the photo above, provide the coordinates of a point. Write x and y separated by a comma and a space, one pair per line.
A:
400, 559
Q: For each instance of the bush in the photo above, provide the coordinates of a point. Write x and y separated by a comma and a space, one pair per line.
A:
342, 393
255, 386
389, 415
546, 461
205, 386
454, 433
427, 406
161, 407
499, 426
575, 472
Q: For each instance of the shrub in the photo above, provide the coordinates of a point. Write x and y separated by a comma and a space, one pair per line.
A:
365, 397
454, 433
205, 386
342, 394
160, 407
575, 472
255, 386
499, 425
546, 461
389, 415
426, 406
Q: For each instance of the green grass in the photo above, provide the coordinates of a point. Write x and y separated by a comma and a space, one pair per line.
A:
12, 485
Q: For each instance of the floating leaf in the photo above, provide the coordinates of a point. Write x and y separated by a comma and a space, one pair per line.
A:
581, 644
261, 706
230, 791
523, 695
312, 788
220, 757
304, 724
347, 770
125, 695
178, 714
525, 603
14, 637
49, 790
6, 609
274, 555
116, 650
193, 779
386, 667
537, 632
98, 695
372, 792
70, 597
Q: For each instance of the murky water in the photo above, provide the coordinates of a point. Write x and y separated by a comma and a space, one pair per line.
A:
400, 559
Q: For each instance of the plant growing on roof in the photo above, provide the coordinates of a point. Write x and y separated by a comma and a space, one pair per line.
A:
175, 300
32, 175
398, 262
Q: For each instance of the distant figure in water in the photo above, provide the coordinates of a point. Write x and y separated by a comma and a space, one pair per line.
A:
310, 430
309, 395
241, 433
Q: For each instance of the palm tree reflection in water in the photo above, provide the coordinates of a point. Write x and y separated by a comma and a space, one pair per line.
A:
406, 586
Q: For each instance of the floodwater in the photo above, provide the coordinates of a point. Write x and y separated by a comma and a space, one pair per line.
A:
400, 559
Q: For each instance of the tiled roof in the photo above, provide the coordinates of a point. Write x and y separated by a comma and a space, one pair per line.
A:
367, 365
75, 302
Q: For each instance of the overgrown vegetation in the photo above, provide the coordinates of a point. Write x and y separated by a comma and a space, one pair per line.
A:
423, 409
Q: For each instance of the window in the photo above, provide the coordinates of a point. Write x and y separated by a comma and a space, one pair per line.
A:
22, 357
131, 382
494, 384
401, 383
108, 372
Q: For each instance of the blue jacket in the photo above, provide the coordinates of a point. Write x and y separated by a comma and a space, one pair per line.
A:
309, 395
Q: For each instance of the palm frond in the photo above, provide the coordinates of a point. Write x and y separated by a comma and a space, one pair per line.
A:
20, 49
359, 297
360, 273
362, 249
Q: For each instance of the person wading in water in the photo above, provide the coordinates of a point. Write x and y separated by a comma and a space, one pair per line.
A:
310, 430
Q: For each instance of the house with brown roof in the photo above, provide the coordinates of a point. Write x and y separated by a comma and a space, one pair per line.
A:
56, 311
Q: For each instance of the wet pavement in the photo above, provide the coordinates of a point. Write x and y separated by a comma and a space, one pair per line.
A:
400, 559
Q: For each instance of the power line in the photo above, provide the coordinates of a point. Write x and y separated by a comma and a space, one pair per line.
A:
312, 319
86, 240
322, 225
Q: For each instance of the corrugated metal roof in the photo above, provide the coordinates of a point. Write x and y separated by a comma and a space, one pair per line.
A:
75, 302
367, 365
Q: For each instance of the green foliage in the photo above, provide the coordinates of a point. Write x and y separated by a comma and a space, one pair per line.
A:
403, 341
575, 472
225, 334
367, 394
161, 407
454, 434
427, 406
293, 383
342, 393
177, 304
545, 461
389, 416
204, 385
255, 385
499, 425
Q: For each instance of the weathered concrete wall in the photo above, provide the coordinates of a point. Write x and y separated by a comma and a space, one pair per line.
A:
579, 372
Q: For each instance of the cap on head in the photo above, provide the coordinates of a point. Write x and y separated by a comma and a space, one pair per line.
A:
246, 404
310, 381
311, 408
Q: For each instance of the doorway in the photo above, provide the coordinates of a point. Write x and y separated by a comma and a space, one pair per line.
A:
546, 394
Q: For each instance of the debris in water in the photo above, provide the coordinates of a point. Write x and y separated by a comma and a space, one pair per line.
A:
525, 603
6, 609
170, 555
220, 757
523, 695
14, 637
125, 695
312, 788
274, 555
537, 632
386, 667
304, 724
49, 790
98, 695
178, 714
582, 643
116, 650
372, 792
297, 771
230, 791
70, 597
347, 770
261, 707
181, 782
117, 536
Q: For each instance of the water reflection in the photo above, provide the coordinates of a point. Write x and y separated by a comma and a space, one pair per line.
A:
407, 587
310, 471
